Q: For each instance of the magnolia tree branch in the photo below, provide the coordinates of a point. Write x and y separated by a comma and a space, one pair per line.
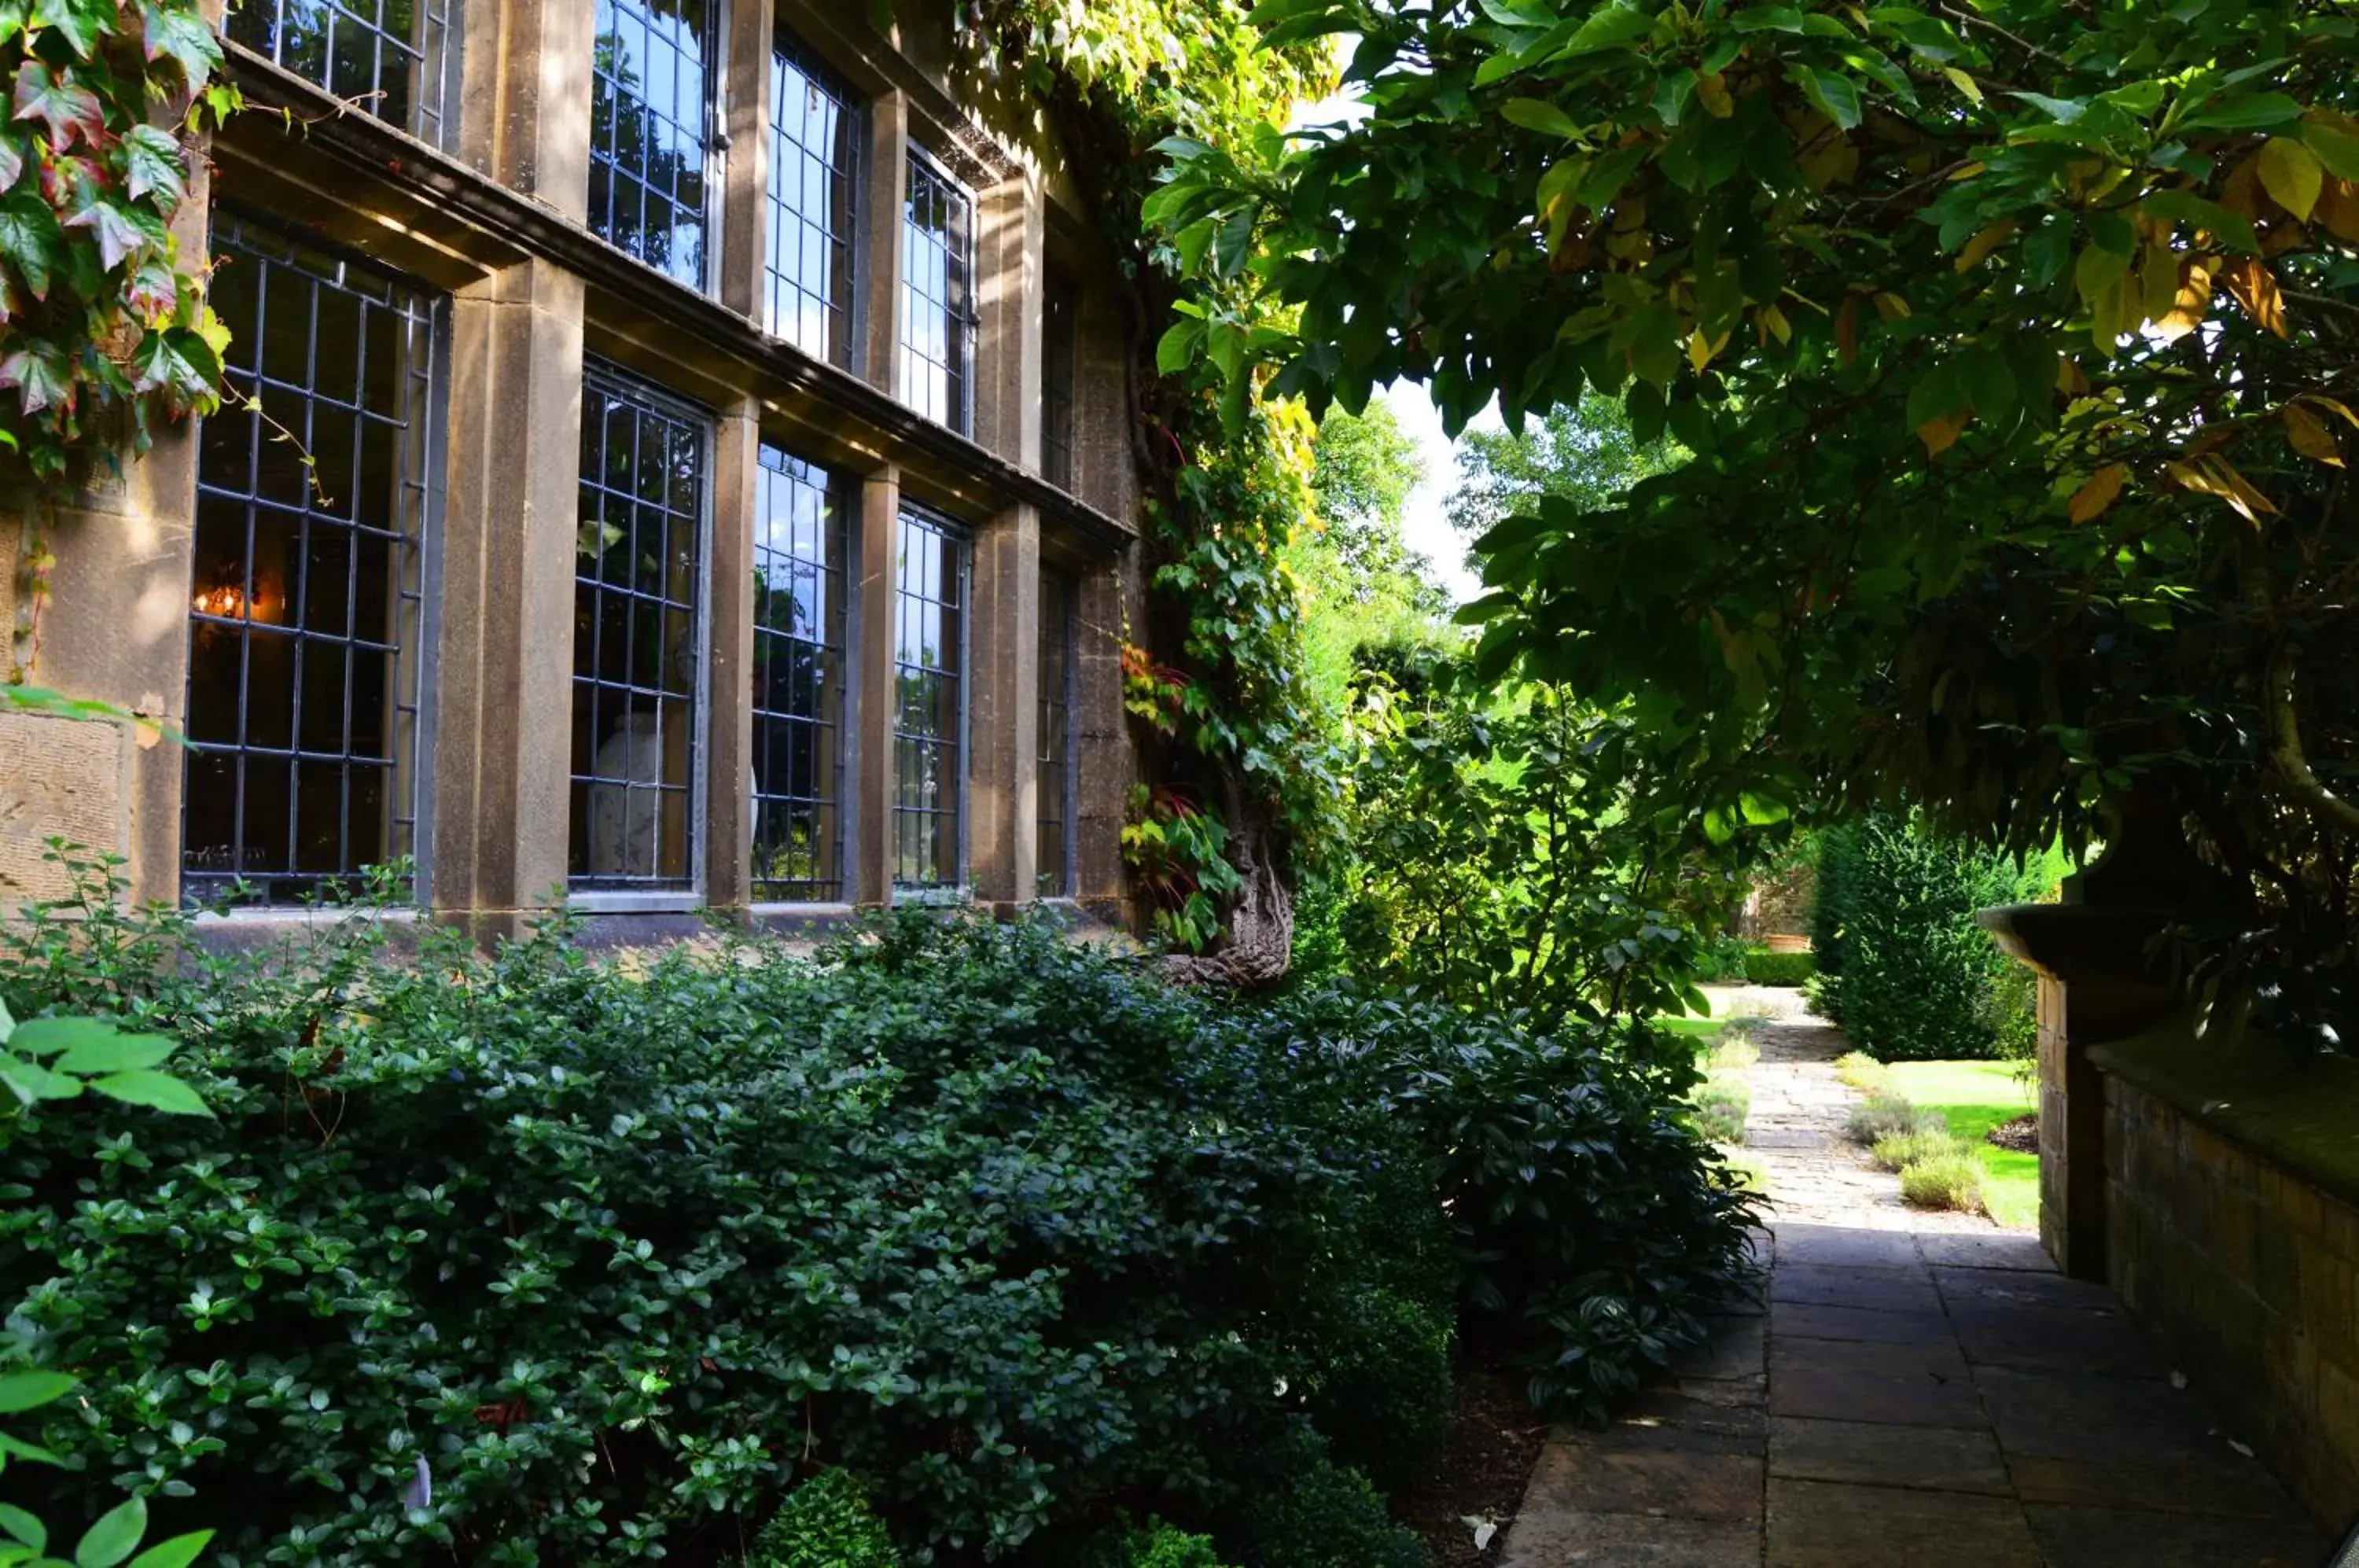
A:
2292, 762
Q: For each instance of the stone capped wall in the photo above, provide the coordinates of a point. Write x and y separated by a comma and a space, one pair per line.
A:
2244, 1270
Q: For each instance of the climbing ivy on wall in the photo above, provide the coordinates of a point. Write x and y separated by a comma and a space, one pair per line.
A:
1247, 769
102, 327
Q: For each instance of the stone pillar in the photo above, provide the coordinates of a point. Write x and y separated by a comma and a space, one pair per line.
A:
877, 254
868, 715
729, 658
523, 97
745, 120
2096, 987
501, 759
1012, 288
1106, 764
1003, 761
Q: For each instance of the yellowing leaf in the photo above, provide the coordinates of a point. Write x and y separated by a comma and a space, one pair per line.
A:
1779, 328
2331, 406
1712, 92
2337, 209
1941, 434
1847, 330
2292, 175
1983, 244
2214, 476
2255, 286
2192, 303
2307, 435
2068, 379
2097, 492
2159, 280
1964, 83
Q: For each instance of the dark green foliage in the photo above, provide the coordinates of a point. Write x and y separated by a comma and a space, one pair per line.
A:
1593, 1228
995, 1222
1292, 1506
1382, 1390
612, 1259
1723, 958
825, 1522
1157, 1546
1765, 968
1913, 965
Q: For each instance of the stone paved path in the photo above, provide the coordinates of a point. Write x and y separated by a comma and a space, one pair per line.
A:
1918, 1391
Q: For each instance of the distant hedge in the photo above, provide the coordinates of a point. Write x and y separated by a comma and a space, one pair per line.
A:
1902, 963
1763, 967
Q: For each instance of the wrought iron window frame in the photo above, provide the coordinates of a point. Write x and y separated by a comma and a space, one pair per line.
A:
847, 765
1055, 284
450, 68
715, 162
855, 311
960, 887
968, 324
419, 672
668, 900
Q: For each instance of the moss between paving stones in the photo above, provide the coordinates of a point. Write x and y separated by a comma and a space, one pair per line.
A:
2299, 1111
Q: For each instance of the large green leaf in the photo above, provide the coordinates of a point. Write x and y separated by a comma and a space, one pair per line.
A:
158, 1091
115, 1537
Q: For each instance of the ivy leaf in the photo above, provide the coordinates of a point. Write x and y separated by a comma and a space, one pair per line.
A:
82, 22
178, 30
39, 377
70, 109
30, 239
119, 233
151, 162
12, 160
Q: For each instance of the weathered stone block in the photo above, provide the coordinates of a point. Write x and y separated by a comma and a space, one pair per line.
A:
59, 778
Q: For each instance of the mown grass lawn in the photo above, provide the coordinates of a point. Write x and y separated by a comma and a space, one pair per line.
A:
1973, 1097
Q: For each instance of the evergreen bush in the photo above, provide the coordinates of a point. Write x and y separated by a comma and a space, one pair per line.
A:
825, 1522
1904, 965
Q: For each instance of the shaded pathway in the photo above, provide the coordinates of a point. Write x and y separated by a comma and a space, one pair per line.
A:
1918, 1391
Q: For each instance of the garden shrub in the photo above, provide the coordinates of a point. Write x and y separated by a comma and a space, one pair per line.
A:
1789, 969
1930, 1139
1908, 961
1881, 1115
1289, 1504
516, 1257
1953, 1181
825, 1522
1160, 1545
521, 1258
1594, 1226
1721, 1108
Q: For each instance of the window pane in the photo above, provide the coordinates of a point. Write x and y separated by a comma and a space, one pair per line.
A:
1054, 855
937, 289
799, 682
650, 93
305, 679
638, 591
1059, 349
929, 704
813, 143
395, 59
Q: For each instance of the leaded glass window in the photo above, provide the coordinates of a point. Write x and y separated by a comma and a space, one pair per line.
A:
651, 130
929, 705
814, 142
799, 583
395, 59
937, 296
308, 614
1059, 668
639, 595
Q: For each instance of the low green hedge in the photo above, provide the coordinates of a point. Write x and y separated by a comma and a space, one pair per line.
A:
1765, 968
525, 1257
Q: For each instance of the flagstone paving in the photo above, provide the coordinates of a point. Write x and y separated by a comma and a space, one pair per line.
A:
1913, 1391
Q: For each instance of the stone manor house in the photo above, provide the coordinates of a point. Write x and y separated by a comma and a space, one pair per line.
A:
718, 494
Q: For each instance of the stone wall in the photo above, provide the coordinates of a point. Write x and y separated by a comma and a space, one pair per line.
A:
1781, 906
2244, 1270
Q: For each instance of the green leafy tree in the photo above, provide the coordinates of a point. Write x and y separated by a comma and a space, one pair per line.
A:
1366, 596
2013, 352
1586, 455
